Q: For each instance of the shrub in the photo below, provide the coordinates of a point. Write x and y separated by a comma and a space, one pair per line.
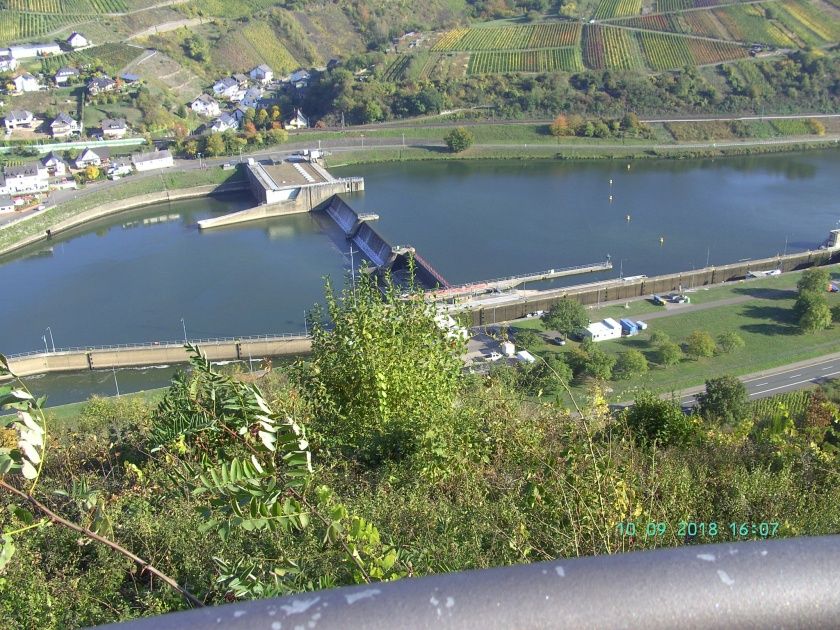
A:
700, 344
669, 354
659, 337
630, 363
652, 419
459, 139
729, 341
724, 401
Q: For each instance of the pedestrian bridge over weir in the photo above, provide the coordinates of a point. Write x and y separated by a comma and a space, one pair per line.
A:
158, 353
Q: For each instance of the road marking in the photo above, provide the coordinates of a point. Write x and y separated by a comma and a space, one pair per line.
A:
815, 364
827, 368
794, 376
760, 384
809, 380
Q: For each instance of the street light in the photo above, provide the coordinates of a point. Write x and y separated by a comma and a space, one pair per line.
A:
184, 325
52, 341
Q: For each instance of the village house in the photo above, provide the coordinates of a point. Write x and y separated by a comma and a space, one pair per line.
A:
97, 85
298, 121
225, 122
26, 83
54, 164
262, 74
19, 119
64, 75
299, 79
27, 51
205, 105
7, 204
119, 168
63, 126
239, 114
27, 178
8, 63
77, 40
241, 79
252, 97
113, 128
129, 77
227, 87
95, 157
152, 160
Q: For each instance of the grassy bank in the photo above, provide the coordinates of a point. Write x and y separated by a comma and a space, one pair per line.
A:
132, 187
764, 320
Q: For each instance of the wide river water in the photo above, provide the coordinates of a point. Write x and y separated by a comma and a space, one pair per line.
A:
134, 277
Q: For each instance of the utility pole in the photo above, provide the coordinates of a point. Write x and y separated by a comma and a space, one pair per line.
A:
52, 341
184, 325
786, 242
116, 384
708, 252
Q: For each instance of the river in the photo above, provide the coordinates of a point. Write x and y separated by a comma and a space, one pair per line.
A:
135, 277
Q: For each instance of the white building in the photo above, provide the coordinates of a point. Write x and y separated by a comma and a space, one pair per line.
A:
298, 121
26, 83
65, 74
262, 73
63, 126
54, 164
114, 128
227, 88
225, 122
251, 97
26, 178
19, 119
205, 105
299, 78
77, 40
604, 330
97, 85
95, 157
8, 63
7, 204
152, 160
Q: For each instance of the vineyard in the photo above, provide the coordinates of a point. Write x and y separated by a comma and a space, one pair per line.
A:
111, 57
395, 70
617, 8
550, 60
268, 48
794, 402
552, 35
711, 52
610, 48
67, 7
16, 26
793, 127
665, 52
747, 23
809, 24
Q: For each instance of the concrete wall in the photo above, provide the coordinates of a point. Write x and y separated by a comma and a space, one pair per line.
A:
590, 294
139, 356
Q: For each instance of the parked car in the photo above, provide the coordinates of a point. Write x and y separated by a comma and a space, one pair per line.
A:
494, 356
560, 341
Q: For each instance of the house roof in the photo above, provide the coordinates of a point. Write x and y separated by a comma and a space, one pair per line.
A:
150, 156
263, 68
240, 78
101, 81
24, 170
26, 77
205, 98
299, 116
130, 77
6, 201
227, 82
103, 153
74, 34
62, 119
66, 71
19, 114
113, 123
51, 158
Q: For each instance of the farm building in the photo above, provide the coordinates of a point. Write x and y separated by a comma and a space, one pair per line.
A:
603, 330
19, 118
63, 126
114, 127
26, 83
65, 74
152, 160
262, 73
77, 40
27, 51
205, 105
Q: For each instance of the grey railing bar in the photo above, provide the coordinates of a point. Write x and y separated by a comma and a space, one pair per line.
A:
789, 583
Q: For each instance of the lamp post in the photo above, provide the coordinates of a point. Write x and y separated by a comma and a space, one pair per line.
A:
184, 326
708, 253
52, 341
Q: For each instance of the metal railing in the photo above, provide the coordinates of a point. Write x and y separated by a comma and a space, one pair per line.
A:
790, 583
161, 344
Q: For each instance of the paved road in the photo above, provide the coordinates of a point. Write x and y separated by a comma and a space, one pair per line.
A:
779, 380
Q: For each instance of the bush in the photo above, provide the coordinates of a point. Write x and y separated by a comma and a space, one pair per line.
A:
700, 344
724, 401
630, 363
527, 338
589, 360
669, 354
815, 279
729, 342
658, 337
459, 139
652, 419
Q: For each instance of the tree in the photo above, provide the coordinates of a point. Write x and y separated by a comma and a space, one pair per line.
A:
669, 354
653, 419
191, 148
381, 376
91, 172
807, 300
566, 316
196, 47
816, 316
589, 360
630, 363
459, 139
275, 113
700, 344
658, 337
729, 342
215, 145
560, 126
544, 375
527, 338
278, 136
815, 279
819, 413
724, 401
262, 117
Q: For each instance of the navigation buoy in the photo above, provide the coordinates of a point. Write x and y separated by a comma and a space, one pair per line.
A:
610, 198
628, 167
661, 240
610, 182
628, 218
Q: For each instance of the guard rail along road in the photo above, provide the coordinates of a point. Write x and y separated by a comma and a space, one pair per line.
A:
789, 583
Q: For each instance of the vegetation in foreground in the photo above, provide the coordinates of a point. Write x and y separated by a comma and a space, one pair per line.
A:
375, 459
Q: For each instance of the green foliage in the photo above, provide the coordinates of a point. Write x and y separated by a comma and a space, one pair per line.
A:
630, 363
814, 279
655, 420
724, 401
588, 360
458, 140
814, 312
382, 375
729, 342
566, 316
700, 344
527, 338
668, 354
544, 375
658, 337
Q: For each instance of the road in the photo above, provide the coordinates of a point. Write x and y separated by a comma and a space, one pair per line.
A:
779, 380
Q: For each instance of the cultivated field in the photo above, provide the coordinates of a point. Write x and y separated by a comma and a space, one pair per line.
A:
617, 8
547, 60
550, 35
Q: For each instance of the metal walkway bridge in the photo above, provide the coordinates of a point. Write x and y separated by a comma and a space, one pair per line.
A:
502, 284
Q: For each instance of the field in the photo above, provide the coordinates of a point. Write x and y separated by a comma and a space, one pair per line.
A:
794, 403
552, 35
747, 23
67, 7
111, 57
397, 67
809, 24
16, 26
709, 52
268, 48
665, 52
617, 8
610, 48
567, 59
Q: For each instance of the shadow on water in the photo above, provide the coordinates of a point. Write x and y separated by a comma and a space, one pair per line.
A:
766, 293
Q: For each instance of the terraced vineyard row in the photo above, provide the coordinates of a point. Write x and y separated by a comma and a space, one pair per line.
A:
395, 70
808, 23
551, 35
612, 48
748, 23
664, 6
665, 52
617, 8
708, 52
266, 45
15, 26
67, 7
550, 60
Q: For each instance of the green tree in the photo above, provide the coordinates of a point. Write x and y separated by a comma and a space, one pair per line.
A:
724, 401
527, 338
382, 375
262, 117
653, 419
544, 375
700, 344
459, 139
215, 145
566, 316
658, 337
589, 360
629, 364
729, 342
815, 279
196, 47
668, 354
816, 316
278, 136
